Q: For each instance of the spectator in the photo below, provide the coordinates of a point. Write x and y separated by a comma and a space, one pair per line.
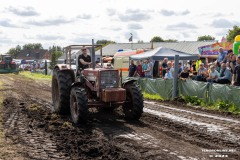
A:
132, 69
221, 57
184, 75
194, 71
225, 75
213, 74
144, 66
209, 65
171, 69
179, 68
202, 73
149, 71
168, 74
164, 66
236, 73
231, 58
140, 72
228, 67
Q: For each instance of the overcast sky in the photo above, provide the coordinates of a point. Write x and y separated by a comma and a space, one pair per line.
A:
67, 22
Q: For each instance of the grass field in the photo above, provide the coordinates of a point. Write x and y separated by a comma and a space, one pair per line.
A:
35, 75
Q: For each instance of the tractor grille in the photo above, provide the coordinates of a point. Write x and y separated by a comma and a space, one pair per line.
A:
109, 79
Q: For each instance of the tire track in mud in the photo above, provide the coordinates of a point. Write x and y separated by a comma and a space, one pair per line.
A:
18, 127
166, 122
224, 128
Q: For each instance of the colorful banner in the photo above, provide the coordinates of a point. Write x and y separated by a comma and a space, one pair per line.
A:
211, 51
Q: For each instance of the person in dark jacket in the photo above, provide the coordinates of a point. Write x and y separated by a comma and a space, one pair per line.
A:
132, 69
84, 60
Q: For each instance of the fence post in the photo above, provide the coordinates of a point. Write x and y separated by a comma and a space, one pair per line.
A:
45, 67
175, 76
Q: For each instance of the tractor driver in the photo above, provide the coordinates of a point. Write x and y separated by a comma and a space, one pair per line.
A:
84, 59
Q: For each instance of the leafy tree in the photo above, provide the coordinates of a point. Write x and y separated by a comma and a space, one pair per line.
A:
18, 48
140, 41
206, 38
157, 39
104, 42
30, 46
12, 52
37, 46
170, 40
232, 33
56, 52
53, 59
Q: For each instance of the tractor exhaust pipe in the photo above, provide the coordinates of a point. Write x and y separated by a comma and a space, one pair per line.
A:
93, 55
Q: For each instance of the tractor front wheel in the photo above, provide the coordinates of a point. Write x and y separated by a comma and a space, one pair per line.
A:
133, 107
61, 83
78, 105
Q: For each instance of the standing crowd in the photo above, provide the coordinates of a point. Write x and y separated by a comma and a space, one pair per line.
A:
144, 68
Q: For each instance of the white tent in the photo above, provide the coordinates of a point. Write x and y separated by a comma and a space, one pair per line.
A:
161, 52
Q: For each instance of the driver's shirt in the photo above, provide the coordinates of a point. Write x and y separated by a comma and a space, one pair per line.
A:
86, 59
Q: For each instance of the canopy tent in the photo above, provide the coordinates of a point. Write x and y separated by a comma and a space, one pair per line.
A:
161, 52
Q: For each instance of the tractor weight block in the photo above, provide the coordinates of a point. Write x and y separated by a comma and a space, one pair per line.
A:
113, 95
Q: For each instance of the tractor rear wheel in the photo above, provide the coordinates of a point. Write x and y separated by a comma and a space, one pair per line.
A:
133, 107
61, 83
78, 105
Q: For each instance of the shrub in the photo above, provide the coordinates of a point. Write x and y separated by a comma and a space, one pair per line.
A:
227, 106
193, 100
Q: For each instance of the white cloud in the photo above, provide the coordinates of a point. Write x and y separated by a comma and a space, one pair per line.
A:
134, 15
223, 23
8, 23
181, 25
49, 37
52, 22
25, 11
5, 40
111, 12
166, 12
84, 16
135, 26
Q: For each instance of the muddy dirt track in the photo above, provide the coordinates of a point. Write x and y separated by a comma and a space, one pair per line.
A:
163, 132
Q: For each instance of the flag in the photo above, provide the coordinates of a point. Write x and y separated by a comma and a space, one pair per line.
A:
130, 39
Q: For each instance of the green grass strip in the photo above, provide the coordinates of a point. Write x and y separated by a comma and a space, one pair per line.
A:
35, 75
152, 96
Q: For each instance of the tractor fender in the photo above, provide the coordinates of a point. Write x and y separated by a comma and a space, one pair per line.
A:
57, 68
128, 81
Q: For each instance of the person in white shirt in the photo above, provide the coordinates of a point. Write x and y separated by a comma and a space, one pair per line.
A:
213, 74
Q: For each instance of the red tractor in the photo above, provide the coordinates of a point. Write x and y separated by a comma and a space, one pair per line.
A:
7, 65
78, 90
